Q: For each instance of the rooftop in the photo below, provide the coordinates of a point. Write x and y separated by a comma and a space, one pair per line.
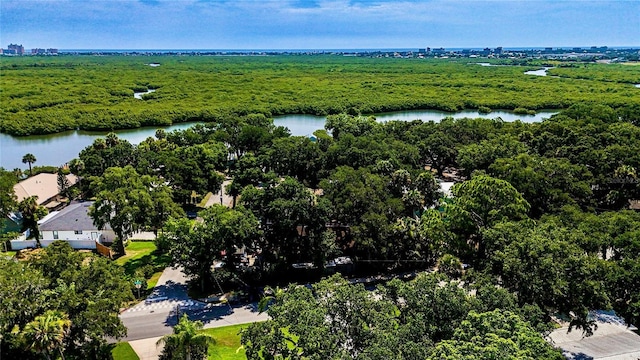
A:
73, 217
43, 185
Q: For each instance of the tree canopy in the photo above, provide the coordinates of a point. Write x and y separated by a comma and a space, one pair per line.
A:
68, 302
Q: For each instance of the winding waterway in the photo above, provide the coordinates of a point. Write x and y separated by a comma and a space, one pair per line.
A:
138, 95
57, 149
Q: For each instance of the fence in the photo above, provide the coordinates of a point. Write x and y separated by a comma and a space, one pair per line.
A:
103, 250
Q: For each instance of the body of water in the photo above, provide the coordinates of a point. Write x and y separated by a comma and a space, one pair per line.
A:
540, 72
57, 149
138, 95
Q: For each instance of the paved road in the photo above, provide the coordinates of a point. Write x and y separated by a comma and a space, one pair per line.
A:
218, 198
153, 316
146, 347
613, 340
156, 316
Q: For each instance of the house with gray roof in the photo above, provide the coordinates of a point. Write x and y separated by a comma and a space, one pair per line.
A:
72, 224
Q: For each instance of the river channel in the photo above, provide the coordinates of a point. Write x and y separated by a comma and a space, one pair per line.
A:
57, 149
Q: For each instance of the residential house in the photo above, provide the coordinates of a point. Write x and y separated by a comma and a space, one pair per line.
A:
72, 224
45, 187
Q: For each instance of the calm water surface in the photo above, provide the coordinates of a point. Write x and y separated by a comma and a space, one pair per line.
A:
57, 149
540, 72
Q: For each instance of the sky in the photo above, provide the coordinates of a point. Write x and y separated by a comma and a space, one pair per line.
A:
317, 24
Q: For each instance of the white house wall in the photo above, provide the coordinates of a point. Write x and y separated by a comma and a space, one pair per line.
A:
102, 236
76, 244
22, 244
77, 241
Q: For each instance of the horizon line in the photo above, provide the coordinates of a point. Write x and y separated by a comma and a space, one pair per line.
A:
569, 47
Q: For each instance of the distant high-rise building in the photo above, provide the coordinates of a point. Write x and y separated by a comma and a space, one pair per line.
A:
19, 49
498, 50
52, 51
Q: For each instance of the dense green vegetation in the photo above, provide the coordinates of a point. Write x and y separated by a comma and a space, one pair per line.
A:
539, 215
48, 95
612, 73
60, 301
431, 317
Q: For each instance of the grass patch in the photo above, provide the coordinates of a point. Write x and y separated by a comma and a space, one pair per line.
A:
136, 250
123, 351
153, 280
141, 254
8, 253
227, 343
205, 199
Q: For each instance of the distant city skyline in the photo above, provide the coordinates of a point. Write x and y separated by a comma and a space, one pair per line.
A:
306, 24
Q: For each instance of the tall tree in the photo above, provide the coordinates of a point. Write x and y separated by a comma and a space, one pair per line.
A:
495, 335
195, 168
481, 202
164, 207
31, 214
293, 219
544, 266
547, 184
76, 166
335, 320
91, 290
24, 293
105, 153
186, 342
296, 156
195, 246
8, 201
63, 184
29, 158
123, 200
47, 332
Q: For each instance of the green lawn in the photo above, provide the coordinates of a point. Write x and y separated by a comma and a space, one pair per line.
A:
142, 253
136, 250
153, 280
123, 351
227, 343
8, 253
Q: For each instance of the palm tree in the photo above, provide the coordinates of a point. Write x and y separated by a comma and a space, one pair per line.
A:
46, 333
77, 167
186, 339
31, 212
29, 159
